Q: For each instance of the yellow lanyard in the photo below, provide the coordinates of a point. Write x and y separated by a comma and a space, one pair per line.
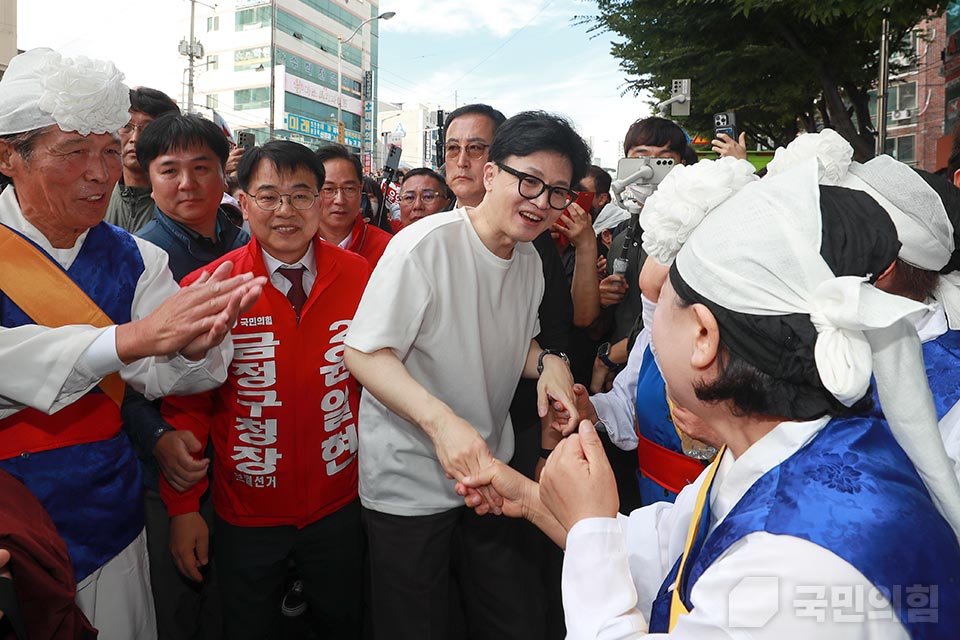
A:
677, 608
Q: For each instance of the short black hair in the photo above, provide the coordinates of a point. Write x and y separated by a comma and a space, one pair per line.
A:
430, 173
495, 116
601, 178
335, 151
175, 132
531, 131
152, 102
751, 391
286, 156
656, 132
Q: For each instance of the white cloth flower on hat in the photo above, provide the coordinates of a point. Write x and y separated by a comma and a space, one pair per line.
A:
682, 200
833, 153
83, 95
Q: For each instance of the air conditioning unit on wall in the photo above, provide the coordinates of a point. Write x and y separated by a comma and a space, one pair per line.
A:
902, 114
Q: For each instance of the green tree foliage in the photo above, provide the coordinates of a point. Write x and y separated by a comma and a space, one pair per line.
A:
783, 65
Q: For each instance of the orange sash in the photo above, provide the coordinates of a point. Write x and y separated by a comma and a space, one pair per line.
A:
45, 293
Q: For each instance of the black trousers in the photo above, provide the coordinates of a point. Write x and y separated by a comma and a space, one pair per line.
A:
328, 554
186, 610
414, 558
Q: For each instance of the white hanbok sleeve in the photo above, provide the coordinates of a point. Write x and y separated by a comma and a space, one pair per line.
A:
613, 568
617, 407
764, 587
48, 369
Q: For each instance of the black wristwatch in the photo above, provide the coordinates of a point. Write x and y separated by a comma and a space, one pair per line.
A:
551, 352
603, 355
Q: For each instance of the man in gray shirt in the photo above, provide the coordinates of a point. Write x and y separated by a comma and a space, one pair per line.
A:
131, 205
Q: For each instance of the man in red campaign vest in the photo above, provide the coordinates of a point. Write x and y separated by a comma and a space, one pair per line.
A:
340, 203
283, 426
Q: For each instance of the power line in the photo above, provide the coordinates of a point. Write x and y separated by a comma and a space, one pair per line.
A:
503, 44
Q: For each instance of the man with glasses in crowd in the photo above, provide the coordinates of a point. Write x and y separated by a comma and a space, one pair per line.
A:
469, 131
341, 203
283, 426
468, 134
183, 157
131, 205
422, 193
443, 333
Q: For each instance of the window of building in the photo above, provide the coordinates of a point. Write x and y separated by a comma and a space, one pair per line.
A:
903, 148
333, 10
258, 98
213, 23
254, 18
213, 101
316, 37
213, 63
901, 104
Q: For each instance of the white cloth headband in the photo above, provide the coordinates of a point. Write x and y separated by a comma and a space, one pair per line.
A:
923, 226
684, 197
860, 329
41, 88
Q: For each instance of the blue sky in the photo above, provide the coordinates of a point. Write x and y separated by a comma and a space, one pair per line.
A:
513, 54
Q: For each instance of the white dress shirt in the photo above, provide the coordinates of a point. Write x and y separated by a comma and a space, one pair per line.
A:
280, 282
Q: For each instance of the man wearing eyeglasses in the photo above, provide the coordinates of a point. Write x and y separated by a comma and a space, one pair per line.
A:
422, 193
468, 135
341, 203
283, 425
131, 206
444, 331
183, 157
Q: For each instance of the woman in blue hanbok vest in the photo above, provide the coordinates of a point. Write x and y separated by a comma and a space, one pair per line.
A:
818, 518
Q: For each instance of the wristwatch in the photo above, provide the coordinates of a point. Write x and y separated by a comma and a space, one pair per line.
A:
603, 355
551, 352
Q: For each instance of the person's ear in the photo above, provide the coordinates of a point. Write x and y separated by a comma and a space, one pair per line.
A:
606, 237
9, 159
706, 346
956, 178
489, 173
602, 200
886, 279
244, 200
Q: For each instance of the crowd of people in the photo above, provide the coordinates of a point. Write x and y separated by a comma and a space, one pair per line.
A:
531, 403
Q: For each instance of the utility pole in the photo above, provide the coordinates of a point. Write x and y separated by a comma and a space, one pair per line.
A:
881, 142
273, 67
192, 50
193, 13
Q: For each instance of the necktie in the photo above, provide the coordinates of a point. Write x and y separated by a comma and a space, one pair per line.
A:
297, 296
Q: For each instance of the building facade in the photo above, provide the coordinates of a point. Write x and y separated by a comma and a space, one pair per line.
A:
270, 67
8, 33
413, 128
916, 97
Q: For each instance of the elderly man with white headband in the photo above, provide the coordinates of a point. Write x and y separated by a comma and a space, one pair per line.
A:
84, 308
925, 208
818, 518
